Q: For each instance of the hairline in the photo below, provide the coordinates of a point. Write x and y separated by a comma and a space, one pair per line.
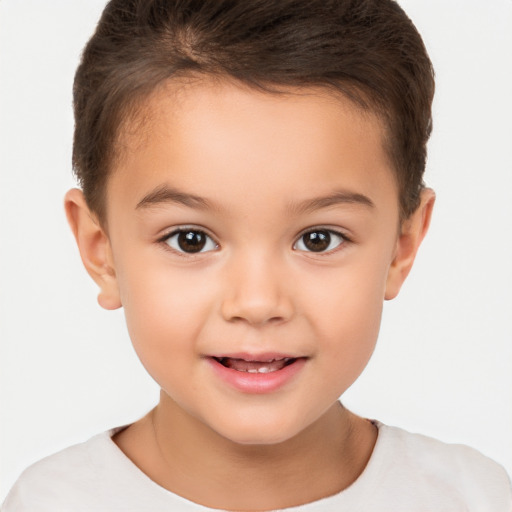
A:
132, 114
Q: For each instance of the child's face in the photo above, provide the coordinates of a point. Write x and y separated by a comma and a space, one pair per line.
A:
288, 211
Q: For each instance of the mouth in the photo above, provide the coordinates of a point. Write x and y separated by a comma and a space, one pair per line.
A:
257, 373
265, 365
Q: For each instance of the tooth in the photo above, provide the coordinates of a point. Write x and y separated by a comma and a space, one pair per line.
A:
252, 370
265, 369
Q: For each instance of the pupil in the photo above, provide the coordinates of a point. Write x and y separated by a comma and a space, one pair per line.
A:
191, 241
317, 241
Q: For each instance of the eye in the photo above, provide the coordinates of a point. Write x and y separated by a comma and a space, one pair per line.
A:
319, 240
190, 241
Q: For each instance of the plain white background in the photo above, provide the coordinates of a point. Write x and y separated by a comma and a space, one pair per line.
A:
443, 365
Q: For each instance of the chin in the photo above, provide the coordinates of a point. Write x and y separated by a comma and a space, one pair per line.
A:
251, 432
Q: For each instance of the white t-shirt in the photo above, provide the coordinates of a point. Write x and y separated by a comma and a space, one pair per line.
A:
406, 473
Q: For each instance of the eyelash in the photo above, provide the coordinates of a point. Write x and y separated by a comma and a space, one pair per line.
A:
209, 241
343, 239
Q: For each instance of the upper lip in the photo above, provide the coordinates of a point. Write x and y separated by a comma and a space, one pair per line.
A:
263, 357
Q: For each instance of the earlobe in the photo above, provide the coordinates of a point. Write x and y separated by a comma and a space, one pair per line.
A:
413, 231
94, 246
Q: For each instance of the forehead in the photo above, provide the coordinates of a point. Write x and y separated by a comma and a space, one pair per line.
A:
212, 99
205, 132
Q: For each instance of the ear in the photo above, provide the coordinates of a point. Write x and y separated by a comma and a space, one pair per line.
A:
412, 233
94, 246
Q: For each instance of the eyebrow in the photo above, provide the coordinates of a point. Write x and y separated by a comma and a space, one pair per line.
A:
165, 194
339, 197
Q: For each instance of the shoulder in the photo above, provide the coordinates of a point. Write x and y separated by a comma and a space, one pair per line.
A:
459, 472
95, 475
62, 481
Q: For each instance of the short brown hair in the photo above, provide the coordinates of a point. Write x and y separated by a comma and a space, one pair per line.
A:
369, 50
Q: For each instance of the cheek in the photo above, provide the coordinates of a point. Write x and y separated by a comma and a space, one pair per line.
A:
165, 311
349, 344
350, 299
347, 318
353, 330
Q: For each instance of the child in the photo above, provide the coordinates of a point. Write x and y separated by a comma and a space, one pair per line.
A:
252, 192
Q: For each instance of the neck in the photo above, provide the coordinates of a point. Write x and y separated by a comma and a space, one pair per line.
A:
183, 452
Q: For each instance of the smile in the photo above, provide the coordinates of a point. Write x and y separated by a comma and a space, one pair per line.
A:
264, 373
242, 365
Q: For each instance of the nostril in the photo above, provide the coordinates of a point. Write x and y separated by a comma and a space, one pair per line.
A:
256, 299
252, 319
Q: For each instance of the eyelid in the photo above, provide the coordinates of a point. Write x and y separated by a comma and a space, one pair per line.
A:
184, 228
344, 233
336, 232
176, 230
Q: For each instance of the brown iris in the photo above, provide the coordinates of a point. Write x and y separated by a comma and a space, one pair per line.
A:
317, 241
191, 241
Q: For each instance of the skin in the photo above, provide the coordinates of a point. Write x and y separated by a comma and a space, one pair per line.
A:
266, 168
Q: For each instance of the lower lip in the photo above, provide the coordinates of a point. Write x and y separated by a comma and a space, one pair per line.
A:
257, 383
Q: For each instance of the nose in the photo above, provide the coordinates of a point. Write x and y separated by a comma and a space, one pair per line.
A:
257, 292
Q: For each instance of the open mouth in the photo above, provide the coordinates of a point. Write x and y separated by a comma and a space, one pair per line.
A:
242, 365
257, 373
